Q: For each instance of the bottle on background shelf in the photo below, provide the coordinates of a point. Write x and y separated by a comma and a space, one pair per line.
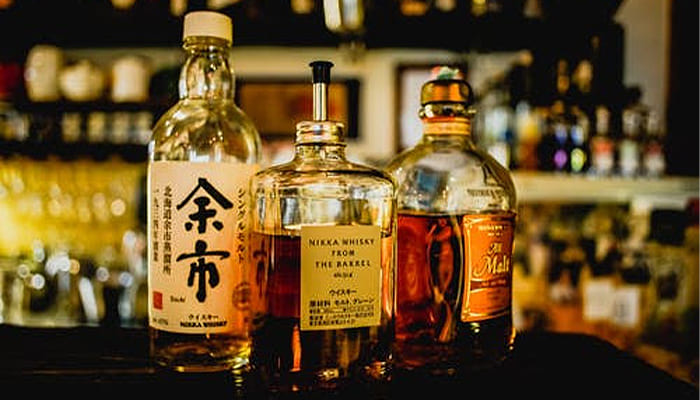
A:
496, 120
202, 153
579, 132
653, 149
456, 218
602, 145
322, 276
634, 117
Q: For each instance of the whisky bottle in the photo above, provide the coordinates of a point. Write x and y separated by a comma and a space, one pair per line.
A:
456, 219
602, 145
633, 122
322, 262
202, 153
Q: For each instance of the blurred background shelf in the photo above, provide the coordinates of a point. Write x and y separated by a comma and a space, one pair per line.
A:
551, 187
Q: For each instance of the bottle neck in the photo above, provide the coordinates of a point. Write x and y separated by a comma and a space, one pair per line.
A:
206, 74
448, 119
320, 140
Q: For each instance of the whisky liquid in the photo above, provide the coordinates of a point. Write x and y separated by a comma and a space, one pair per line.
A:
431, 335
200, 353
292, 359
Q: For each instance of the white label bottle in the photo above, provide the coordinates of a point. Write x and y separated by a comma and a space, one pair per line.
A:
202, 153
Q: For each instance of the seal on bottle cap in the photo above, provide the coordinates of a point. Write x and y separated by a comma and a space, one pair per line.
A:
208, 23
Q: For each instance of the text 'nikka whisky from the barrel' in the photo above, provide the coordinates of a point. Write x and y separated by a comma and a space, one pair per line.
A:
202, 154
456, 220
323, 262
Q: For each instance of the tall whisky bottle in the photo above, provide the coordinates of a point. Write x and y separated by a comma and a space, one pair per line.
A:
202, 154
456, 218
323, 262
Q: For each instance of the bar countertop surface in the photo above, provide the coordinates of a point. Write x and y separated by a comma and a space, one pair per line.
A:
86, 362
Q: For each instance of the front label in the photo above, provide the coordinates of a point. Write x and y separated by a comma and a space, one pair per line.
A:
340, 277
598, 299
627, 306
197, 227
488, 248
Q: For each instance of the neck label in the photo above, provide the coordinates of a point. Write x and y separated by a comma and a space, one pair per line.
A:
447, 127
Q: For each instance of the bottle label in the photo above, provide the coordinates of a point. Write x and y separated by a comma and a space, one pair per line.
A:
598, 299
603, 157
447, 127
488, 249
627, 306
340, 277
629, 157
198, 216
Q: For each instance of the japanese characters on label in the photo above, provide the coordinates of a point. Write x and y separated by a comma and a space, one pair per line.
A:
340, 277
198, 216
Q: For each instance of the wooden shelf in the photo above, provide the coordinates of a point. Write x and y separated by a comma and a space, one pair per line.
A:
550, 187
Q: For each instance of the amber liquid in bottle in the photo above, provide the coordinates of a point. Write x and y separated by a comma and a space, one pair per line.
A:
296, 359
430, 293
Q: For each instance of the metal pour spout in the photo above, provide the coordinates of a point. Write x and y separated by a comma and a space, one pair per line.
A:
321, 77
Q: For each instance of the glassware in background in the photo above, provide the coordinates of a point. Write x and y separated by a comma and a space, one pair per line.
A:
497, 123
634, 117
322, 275
130, 78
41, 73
456, 227
203, 151
653, 149
64, 227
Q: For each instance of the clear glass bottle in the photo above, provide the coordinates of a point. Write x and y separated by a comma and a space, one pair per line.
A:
629, 150
653, 149
456, 221
323, 262
202, 154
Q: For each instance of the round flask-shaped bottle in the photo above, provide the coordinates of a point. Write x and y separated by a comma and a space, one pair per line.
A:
456, 216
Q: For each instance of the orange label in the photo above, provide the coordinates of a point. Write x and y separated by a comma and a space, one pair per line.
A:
488, 248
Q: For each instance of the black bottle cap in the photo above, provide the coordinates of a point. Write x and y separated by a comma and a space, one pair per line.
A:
321, 71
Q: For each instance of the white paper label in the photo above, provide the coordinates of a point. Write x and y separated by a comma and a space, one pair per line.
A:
340, 277
598, 299
627, 308
198, 216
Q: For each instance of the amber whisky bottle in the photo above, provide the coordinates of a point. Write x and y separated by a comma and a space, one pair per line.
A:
456, 218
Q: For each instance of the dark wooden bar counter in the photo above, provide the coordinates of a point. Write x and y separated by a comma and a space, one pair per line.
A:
89, 362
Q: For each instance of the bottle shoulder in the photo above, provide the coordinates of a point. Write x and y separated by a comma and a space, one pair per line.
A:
338, 175
449, 177
204, 130
200, 114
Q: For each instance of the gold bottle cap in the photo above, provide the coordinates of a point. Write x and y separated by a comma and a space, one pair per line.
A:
447, 86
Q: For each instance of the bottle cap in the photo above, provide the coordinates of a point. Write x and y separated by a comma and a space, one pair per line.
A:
208, 23
447, 86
